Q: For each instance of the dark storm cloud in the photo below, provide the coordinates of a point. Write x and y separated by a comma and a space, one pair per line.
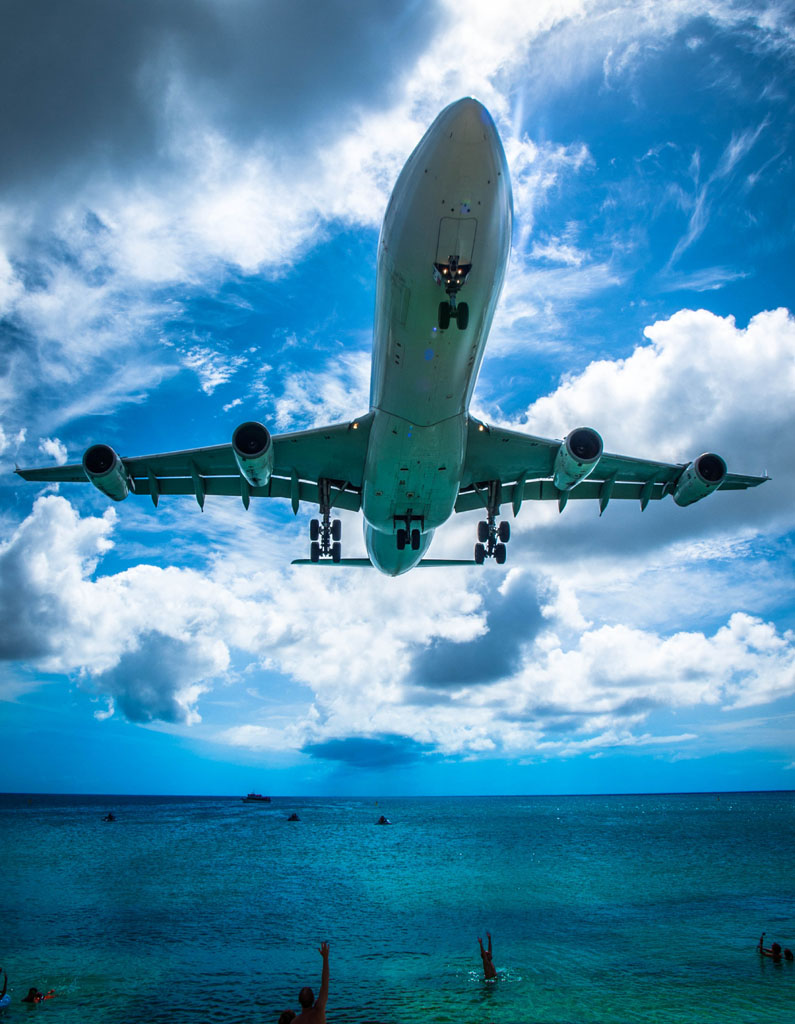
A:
145, 682
386, 751
513, 620
87, 81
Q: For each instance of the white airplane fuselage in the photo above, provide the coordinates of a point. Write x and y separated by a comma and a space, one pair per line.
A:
451, 207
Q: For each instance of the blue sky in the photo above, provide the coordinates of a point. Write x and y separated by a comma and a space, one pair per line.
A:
190, 199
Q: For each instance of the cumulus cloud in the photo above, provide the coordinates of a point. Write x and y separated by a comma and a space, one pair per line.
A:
701, 383
471, 670
55, 448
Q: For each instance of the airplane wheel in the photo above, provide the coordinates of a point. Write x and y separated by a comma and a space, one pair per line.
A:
462, 317
314, 529
336, 529
480, 554
483, 531
314, 551
444, 315
504, 531
401, 539
336, 551
499, 553
415, 540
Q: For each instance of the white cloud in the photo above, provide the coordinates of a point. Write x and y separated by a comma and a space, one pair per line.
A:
55, 448
700, 384
154, 642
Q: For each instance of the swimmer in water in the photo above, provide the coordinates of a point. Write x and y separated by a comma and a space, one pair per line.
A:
774, 951
5, 999
489, 970
313, 1011
286, 1016
34, 996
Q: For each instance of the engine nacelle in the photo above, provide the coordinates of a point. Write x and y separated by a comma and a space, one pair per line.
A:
106, 471
703, 476
253, 449
577, 457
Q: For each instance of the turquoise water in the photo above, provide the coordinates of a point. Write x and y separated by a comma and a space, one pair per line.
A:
602, 909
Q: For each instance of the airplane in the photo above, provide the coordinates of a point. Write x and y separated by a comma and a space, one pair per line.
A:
417, 455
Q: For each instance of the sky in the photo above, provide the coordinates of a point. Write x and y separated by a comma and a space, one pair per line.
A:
190, 200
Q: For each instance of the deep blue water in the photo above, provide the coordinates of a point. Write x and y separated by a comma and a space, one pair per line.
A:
602, 909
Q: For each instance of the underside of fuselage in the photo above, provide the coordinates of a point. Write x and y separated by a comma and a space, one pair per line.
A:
441, 261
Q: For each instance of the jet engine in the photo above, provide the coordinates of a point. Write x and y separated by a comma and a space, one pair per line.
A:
106, 471
703, 476
253, 449
577, 457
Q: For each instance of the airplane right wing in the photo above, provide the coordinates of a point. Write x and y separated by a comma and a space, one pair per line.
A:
505, 465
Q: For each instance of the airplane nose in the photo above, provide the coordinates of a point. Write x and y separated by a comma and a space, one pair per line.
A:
467, 120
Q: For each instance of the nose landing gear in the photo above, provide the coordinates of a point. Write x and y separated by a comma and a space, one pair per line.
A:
453, 276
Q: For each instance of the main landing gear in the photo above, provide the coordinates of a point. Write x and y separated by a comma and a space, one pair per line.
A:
408, 535
453, 276
492, 536
325, 534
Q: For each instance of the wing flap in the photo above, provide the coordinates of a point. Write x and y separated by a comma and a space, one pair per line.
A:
545, 490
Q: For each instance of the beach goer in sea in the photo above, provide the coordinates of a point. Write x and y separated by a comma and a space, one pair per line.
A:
489, 970
313, 1011
34, 996
286, 1016
774, 951
5, 998
788, 955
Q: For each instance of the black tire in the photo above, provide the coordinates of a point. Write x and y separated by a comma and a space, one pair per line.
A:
483, 531
480, 554
336, 529
504, 531
314, 551
314, 529
401, 539
462, 316
415, 540
444, 316
500, 553
336, 551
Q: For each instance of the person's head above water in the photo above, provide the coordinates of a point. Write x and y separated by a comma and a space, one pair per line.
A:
306, 997
776, 949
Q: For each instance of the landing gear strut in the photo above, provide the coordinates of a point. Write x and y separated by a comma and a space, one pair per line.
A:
453, 276
325, 534
492, 536
407, 534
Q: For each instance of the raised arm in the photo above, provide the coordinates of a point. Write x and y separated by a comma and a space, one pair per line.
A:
320, 1003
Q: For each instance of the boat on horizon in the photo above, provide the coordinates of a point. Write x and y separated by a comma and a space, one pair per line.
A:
256, 798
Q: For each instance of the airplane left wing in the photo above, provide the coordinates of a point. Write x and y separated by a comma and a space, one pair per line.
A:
507, 466
256, 465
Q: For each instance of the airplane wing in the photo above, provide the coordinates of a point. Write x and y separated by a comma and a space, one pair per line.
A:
300, 461
525, 467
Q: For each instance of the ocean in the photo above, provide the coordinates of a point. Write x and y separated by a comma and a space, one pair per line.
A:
601, 908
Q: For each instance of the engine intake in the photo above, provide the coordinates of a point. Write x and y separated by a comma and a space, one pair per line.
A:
577, 458
703, 476
253, 449
106, 471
